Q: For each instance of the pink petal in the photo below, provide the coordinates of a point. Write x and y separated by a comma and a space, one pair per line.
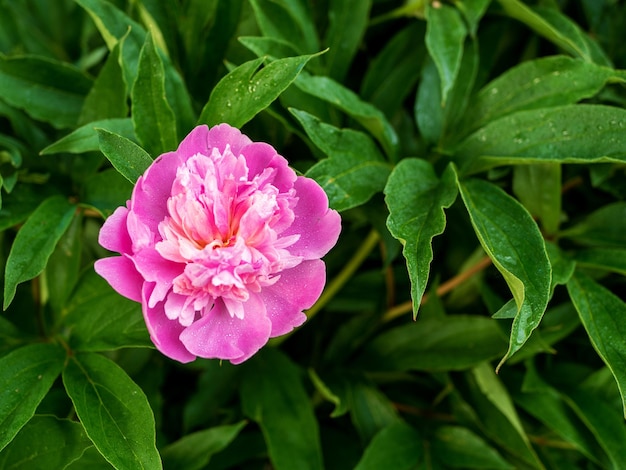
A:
297, 290
318, 226
154, 268
195, 142
164, 333
260, 156
218, 335
114, 234
221, 135
120, 273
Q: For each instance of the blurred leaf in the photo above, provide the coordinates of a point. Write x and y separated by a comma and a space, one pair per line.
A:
558, 29
538, 188
563, 266
107, 97
428, 110
349, 102
10, 336
45, 89
43, 229
396, 446
273, 395
602, 314
539, 83
126, 156
106, 191
85, 138
354, 170
416, 199
194, 451
610, 259
244, 92
100, 319
370, 409
153, 119
458, 447
348, 21
566, 134
92, 460
513, 242
23, 200
45, 443
27, 374
113, 410
604, 227
454, 342
473, 11
445, 34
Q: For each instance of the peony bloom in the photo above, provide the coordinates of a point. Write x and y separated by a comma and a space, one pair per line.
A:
221, 243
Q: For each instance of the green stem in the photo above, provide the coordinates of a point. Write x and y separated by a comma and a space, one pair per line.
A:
339, 281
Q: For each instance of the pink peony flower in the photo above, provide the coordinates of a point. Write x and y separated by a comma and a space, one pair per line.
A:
221, 243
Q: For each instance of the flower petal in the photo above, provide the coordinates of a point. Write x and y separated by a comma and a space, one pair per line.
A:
218, 335
114, 233
164, 333
318, 226
297, 290
260, 156
195, 142
121, 274
222, 135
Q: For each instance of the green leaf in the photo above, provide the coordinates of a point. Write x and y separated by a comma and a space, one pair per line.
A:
193, 451
610, 259
23, 200
458, 447
107, 97
354, 170
534, 84
348, 21
604, 227
416, 199
45, 89
244, 92
454, 342
602, 314
114, 411
273, 395
558, 29
473, 11
91, 459
396, 446
106, 191
42, 231
126, 156
349, 102
85, 138
538, 188
512, 240
44, 443
153, 118
27, 374
100, 319
445, 34
370, 409
580, 133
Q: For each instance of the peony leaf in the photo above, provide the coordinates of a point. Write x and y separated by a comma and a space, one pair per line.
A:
396, 446
273, 395
354, 171
244, 92
512, 240
538, 188
604, 227
194, 451
416, 199
42, 230
46, 442
27, 374
610, 259
106, 191
602, 314
458, 447
101, 320
126, 156
45, 89
85, 138
582, 133
114, 411
153, 118
445, 35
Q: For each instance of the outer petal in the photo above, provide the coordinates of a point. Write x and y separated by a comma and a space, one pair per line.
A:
120, 272
221, 135
114, 234
317, 225
164, 333
195, 142
260, 156
297, 290
220, 336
